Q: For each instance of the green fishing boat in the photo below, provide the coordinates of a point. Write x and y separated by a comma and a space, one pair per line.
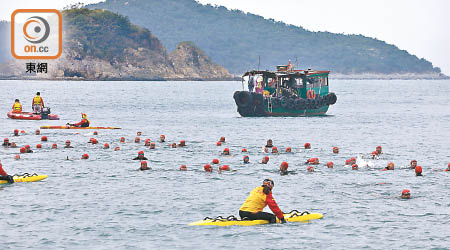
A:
284, 92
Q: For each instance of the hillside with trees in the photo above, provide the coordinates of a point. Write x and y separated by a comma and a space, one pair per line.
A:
101, 45
236, 39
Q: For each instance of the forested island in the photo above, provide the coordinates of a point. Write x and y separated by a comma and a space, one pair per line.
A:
236, 40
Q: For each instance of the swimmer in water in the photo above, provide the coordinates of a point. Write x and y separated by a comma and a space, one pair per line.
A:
335, 150
162, 138
379, 150
68, 144
390, 166
307, 145
246, 159
406, 194
284, 168
413, 164
258, 199
226, 151
144, 166
265, 160
6, 142
140, 156
28, 149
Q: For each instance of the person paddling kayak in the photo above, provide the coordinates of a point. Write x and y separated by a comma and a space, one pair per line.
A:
83, 123
258, 199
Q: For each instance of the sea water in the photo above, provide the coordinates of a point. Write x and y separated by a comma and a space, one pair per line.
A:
105, 203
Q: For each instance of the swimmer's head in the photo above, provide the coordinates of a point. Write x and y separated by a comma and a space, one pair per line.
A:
406, 194
307, 145
335, 150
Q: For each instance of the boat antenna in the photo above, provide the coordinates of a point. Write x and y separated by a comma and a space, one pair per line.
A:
259, 61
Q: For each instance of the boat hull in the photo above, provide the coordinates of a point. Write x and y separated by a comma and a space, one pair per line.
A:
30, 116
255, 105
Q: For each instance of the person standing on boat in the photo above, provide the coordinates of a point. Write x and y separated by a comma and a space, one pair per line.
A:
83, 123
251, 82
17, 107
259, 85
258, 199
37, 104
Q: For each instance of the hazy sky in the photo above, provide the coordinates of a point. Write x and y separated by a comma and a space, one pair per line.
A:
418, 26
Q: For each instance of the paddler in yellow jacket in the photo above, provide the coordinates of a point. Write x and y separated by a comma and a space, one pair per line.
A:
37, 104
83, 123
17, 107
258, 199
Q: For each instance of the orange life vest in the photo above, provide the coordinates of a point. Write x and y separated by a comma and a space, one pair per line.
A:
17, 107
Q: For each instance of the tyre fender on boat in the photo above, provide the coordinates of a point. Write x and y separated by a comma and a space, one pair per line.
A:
291, 103
284, 102
243, 99
333, 98
276, 103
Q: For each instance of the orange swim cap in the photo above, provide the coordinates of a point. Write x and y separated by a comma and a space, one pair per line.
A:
38, 146
310, 169
27, 146
22, 131
355, 167
307, 145
16, 131
418, 169
44, 138
106, 146
54, 145
226, 150
225, 168
17, 157
141, 152
183, 167
95, 133
218, 143
207, 168
215, 161
288, 149
406, 191
330, 164
244, 150
22, 150
85, 156
347, 162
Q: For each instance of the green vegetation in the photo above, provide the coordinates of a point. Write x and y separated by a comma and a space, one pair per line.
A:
104, 35
235, 39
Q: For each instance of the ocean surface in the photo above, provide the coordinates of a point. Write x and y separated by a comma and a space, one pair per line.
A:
105, 203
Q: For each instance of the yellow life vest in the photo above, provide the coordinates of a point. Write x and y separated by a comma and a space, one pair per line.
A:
255, 202
37, 100
17, 106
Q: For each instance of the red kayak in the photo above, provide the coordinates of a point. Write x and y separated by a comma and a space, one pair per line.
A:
30, 116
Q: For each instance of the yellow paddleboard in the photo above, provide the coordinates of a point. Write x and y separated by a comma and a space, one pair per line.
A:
26, 178
293, 216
